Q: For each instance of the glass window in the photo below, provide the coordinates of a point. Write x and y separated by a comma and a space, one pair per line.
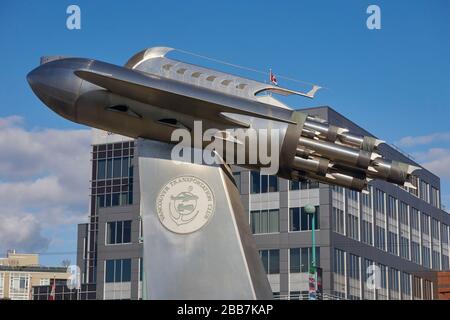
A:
118, 270
367, 272
393, 283
426, 256
118, 232
299, 220
406, 285
127, 231
117, 166
424, 191
274, 220
109, 168
270, 260
101, 169
435, 229
367, 236
383, 282
295, 264
273, 183
115, 199
100, 201
255, 182
425, 223
111, 232
264, 221
353, 267
435, 197
126, 270
415, 183
124, 199
417, 288
274, 261
404, 247
294, 185
294, 219
22, 283
380, 234
435, 257
109, 272
352, 227
367, 217
427, 290
304, 219
404, 213
264, 184
131, 168
300, 259
338, 220
303, 185
392, 208
379, 202
352, 203
339, 261
415, 252
125, 167
108, 200
415, 219
444, 234
392, 242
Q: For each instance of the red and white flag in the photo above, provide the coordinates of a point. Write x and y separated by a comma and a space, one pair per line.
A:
52, 292
272, 78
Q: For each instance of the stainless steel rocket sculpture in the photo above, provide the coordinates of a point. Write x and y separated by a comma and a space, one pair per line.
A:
153, 95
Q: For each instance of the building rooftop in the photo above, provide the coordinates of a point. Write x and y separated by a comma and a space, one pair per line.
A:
33, 269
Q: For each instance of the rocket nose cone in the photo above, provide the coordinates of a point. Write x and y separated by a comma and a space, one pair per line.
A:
33, 78
37, 80
55, 85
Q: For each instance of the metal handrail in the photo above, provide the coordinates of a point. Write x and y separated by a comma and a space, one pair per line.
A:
305, 296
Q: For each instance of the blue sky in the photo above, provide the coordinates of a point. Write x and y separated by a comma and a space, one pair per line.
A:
395, 82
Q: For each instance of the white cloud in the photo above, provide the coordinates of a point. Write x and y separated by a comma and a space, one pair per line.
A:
44, 182
411, 141
23, 233
437, 160
432, 151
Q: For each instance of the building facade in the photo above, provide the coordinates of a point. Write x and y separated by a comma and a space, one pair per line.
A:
20, 273
87, 291
385, 243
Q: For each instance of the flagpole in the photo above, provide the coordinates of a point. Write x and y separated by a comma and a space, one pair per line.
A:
270, 79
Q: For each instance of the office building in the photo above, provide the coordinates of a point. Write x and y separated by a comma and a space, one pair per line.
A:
399, 234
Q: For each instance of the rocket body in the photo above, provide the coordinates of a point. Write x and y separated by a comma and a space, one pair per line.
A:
152, 96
